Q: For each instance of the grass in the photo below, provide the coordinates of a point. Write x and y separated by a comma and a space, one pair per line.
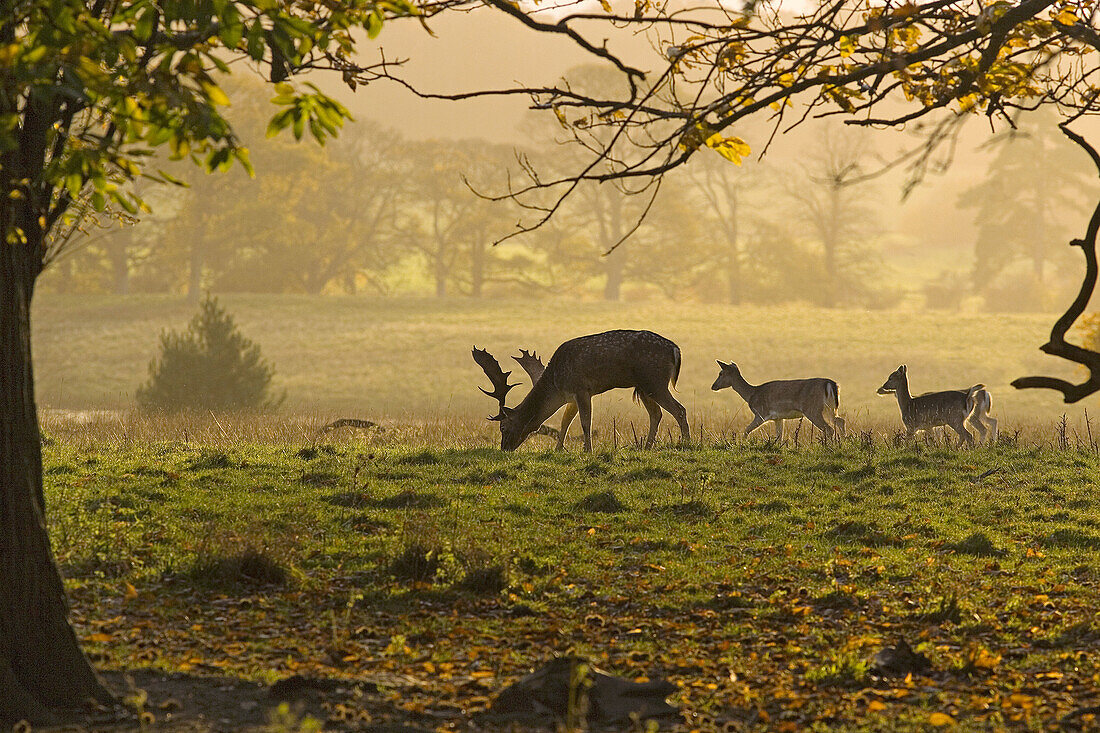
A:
408, 359
760, 579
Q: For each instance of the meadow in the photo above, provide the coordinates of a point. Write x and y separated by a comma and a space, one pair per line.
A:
407, 360
759, 579
415, 570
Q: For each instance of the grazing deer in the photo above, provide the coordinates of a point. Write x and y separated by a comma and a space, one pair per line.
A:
816, 399
587, 366
532, 364
952, 407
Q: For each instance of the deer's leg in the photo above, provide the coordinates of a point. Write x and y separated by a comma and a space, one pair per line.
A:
584, 409
992, 428
822, 423
566, 421
778, 430
757, 421
655, 415
665, 399
960, 428
839, 426
975, 421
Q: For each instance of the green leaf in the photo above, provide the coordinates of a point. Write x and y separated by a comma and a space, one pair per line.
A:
279, 122
215, 94
256, 43
373, 24
143, 28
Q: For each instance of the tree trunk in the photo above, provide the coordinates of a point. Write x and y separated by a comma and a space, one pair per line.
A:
477, 265
194, 283
616, 259
832, 234
614, 267
41, 665
733, 264
118, 254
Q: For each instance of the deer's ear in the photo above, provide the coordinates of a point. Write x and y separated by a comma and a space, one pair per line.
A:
902, 369
721, 364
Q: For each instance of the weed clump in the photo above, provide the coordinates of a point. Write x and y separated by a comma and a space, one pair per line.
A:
846, 671
209, 460
485, 581
240, 570
855, 532
1069, 538
601, 501
415, 564
977, 544
210, 366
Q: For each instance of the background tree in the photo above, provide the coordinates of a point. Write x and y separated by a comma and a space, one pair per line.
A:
444, 221
86, 90
210, 366
1023, 208
832, 201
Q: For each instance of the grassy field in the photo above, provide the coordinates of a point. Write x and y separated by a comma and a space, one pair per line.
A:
758, 579
408, 360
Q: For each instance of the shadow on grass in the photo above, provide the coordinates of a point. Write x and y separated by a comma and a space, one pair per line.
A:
403, 500
198, 703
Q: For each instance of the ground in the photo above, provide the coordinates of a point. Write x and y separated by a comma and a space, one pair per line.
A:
759, 579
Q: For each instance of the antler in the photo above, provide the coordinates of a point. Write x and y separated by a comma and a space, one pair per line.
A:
531, 364
496, 375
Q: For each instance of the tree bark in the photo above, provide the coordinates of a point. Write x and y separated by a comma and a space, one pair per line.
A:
119, 255
477, 265
733, 263
41, 664
832, 235
194, 282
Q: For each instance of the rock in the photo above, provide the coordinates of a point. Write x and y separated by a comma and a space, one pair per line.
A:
899, 661
543, 697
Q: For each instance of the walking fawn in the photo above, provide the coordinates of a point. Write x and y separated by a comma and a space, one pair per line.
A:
816, 399
952, 408
587, 366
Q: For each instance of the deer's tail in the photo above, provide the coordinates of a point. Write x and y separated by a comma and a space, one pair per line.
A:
675, 365
832, 394
971, 395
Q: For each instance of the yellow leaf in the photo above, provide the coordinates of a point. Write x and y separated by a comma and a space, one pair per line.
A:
1067, 17
940, 719
875, 706
606, 6
131, 592
100, 637
733, 149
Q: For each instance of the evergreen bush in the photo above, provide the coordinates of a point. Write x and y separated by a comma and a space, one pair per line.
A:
210, 366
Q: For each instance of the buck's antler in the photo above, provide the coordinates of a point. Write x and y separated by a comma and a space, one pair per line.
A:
531, 364
496, 375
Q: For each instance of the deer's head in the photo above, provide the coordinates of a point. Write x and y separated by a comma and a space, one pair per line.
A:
512, 429
894, 382
727, 377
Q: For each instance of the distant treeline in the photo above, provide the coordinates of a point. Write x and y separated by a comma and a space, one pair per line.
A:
373, 212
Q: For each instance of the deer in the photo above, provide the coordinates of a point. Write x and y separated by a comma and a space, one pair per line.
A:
532, 364
980, 419
581, 368
817, 399
953, 407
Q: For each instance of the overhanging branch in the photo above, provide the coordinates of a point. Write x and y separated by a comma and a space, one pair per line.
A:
1057, 346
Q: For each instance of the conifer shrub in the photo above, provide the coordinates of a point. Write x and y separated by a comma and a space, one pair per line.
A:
209, 366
